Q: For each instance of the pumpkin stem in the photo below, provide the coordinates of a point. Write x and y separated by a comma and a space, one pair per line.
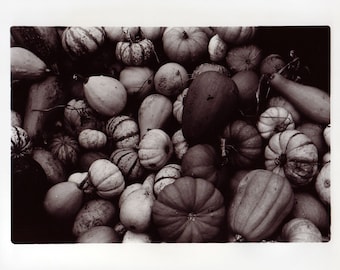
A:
49, 109
78, 77
225, 150
281, 160
185, 35
86, 185
238, 238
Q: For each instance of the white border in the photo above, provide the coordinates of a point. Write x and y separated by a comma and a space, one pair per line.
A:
165, 256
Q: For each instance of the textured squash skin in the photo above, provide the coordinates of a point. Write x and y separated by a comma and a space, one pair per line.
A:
211, 100
262, 201
188, 210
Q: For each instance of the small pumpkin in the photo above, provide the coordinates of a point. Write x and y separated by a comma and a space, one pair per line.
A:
170, 79
155, 149
292, 154
327, 134
236, 34
241, 145
138, 81
177, 108
21, 144
274, 120
106, 178
200, 161
123, 131
209, 67
246, 57
179, 143
92, 139
217, 48
279, 101
185, 44
262, 201
81, 41
300, 230
65, 148
323, 184
188, 210
166, 176
128, 162
134, 53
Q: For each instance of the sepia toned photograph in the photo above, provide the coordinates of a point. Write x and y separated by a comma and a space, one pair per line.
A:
158, 143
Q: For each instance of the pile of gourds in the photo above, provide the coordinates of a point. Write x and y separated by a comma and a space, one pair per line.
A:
164, 134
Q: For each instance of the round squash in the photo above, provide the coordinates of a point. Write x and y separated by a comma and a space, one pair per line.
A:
81, 41
185, 44
115, 33
106, 178
106, 95
210, 103
134, 53
274, 120
217, 48
236, 34
300, 230
155, 149
99, 234
92, 139
323, 184
128, 162
123, 131
209, 67
65, 148
166, 176
241, 145
188, 210
292, 154
21, 144
246, 57
177, 108
200, 161
262, 200
327, 134
154, 33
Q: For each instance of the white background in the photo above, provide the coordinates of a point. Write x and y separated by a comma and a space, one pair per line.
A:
165, 256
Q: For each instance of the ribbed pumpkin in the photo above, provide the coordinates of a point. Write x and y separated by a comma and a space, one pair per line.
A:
236, 34
293, 155
106, 178
262, 201
188, 210
179, 143
20, 143
274, 120
200, 161
128, 162
210, 102
166, 176
241, 145
123, 130
177, 108
209, 67
217, 48
246, 57
65, 148
155, 149
300, 230
134, 53
185, 44
81, 41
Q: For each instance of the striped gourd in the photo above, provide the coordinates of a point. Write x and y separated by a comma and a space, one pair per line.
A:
80, 41
20, 143
126, 159
134, 53
123, 131
166, 176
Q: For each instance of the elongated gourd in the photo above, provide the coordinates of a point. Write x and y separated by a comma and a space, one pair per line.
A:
154, 112
26, 65
310, 101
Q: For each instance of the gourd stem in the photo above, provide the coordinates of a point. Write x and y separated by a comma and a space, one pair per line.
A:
185, 35
49, 109
239, 238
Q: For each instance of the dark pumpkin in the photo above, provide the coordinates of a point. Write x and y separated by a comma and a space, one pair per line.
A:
210, 103
188, 210
262, 200
200, 161
241, 145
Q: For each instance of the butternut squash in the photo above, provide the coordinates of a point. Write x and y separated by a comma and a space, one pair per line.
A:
312, 102
154, 112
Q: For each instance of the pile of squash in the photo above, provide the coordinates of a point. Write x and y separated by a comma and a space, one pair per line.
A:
165, 134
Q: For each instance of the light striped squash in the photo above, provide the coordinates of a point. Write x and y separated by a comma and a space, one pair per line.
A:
20, 143
166, 176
